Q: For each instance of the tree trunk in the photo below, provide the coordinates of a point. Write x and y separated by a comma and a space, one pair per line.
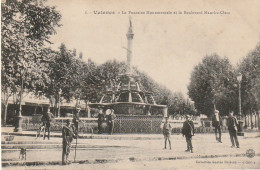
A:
251, 119
245, 122
59, 107
6, 97
248, 121
258, 120
56, 106
21, 98
55, 109
5, 113
88, 108
16, 106
52, 104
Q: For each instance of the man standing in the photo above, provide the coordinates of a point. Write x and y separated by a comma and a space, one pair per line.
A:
232, 128
167, 132
217, 123
46, 119
188, 132
67, 138
110, 121
100, 121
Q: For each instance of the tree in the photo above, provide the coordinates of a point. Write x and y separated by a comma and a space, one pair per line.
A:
250, 85
212, 86
80, 55
74, 52
63, 73
26, 27
106, 76
91, 83
164, 96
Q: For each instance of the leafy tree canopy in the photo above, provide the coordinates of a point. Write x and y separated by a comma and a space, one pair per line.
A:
212, 83
250, 85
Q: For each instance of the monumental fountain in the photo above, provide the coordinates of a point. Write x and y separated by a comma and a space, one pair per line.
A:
127, 98
135, 108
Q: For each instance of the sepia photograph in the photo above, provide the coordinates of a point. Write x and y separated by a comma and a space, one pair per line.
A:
126, 85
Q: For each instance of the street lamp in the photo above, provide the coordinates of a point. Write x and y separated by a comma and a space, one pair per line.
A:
60, 91
240, 121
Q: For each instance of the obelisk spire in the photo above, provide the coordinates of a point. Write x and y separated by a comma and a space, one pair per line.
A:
130, 37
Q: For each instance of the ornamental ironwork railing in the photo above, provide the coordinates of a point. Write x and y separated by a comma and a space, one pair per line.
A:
122, 124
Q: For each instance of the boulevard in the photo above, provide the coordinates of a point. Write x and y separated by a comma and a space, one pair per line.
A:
138, 151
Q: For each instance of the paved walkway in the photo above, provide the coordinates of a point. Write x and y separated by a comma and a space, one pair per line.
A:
122, 147
9, 130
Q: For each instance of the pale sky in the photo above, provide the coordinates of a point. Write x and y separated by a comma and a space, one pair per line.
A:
166, 47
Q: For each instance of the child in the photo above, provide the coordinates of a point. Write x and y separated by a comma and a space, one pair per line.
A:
167, 132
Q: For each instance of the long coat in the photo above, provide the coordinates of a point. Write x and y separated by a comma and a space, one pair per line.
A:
188, 128
232, 123
47, 118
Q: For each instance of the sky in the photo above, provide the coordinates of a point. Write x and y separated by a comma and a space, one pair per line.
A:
165, 46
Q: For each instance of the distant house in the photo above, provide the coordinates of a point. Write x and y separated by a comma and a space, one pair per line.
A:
32, 104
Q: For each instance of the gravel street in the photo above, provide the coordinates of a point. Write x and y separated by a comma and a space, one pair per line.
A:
139, 154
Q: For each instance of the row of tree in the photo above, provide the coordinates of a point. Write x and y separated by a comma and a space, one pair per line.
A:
28, 65
26, 28
214, 84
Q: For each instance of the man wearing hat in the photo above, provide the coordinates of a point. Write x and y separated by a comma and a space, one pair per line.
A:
67, 138
217, 123
167, 132
188, 132
232, 124
46, 119
100, 120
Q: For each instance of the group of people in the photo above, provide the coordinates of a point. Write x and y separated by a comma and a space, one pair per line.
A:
188, 130
48, 117
70, 130
109, 118
232, 125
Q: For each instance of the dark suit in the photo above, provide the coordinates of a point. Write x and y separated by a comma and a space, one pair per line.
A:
188, 132
110, 123
46, 119
217, 124
100, 121
232, 128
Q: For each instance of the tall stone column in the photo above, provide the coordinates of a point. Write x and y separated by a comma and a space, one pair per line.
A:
130, 37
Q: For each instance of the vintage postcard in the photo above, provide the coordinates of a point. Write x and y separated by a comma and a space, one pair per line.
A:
131, 84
